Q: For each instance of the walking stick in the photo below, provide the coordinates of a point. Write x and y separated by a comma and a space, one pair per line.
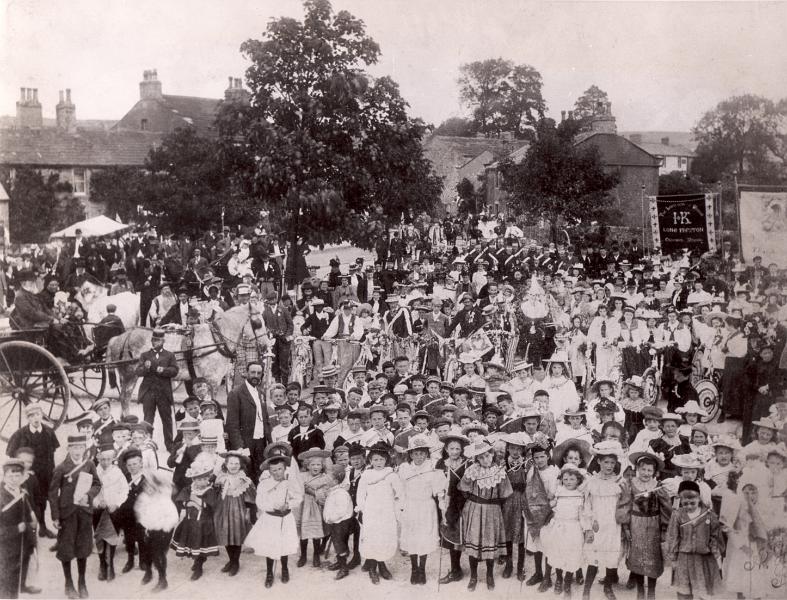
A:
440, 564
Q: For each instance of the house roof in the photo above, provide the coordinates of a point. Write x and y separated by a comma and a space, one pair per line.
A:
517, 156
167, 113
84, 148
449, 154
665, 150
677, 138
618, 151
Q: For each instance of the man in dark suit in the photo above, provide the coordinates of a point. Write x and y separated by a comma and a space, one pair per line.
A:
278, 322
248, 425
43, 441
177, 313
157, 367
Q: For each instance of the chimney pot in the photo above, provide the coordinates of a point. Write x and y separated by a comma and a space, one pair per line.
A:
35, 94
230, 82
61, 96
562, 116
571, 114
68, 95
21, 94
238, 83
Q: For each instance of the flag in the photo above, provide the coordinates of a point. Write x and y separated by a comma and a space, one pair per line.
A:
477, 343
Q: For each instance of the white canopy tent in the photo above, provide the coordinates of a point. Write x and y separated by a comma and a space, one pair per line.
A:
93, 227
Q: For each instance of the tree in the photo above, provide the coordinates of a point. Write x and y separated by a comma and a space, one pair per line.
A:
503, 96
740, 135
677, 182
557, 181
457, 127
328, 150
592, 102
468, 197
121, 190
39, 205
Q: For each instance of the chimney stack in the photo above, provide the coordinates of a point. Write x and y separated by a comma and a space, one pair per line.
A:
235, 91
604, 122
562, 116
150, 86
66, 113
665, 141
28, 109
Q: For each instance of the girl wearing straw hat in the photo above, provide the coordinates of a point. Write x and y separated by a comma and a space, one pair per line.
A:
379, 503
485, 485
602, 519
419, 526
275, 534
514, 505
648, 516
232, 512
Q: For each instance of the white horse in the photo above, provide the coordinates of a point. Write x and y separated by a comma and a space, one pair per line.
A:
213, 348
94, 299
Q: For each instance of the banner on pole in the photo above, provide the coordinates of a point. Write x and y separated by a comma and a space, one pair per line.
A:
763, 222
685, 221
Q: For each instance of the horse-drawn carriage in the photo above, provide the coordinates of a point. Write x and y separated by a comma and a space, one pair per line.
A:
30, 371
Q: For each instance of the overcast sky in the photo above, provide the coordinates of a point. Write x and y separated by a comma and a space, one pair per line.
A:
663, 64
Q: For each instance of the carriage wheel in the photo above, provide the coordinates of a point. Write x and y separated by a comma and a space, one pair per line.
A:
710, 400
650, 386
90, 381
30, 373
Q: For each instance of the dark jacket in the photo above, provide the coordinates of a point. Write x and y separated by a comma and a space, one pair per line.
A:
64, 483
157, 383
29, 311
241, 417
44, 445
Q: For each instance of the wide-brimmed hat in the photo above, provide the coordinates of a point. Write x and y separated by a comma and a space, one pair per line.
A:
241, 454
277, 458
606, 405
779, 449
478, 447
379, 449
691, 408
467, 358
528, 411
419, 442
455, 437
203, 464
635, 381
581, 446
727, 440
636, 457
671, 417
313, 453
766, 422
519, 438
576, 411
652, 412
420, 414
609, 448
476, 426
687, 461
277, 449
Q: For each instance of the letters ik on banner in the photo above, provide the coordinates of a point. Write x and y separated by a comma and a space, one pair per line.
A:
679, 222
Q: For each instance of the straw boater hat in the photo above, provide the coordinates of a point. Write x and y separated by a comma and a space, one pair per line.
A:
480, 446
241, 454
529, 411
687, 461
636, 457
780, 449
581, 446
635, 381
671, 417
467, 358
691, 408
652, 412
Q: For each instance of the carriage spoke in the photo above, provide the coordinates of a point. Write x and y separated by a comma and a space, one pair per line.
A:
8, 366
10, 413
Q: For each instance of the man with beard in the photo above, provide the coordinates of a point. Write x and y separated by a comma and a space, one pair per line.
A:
248, 425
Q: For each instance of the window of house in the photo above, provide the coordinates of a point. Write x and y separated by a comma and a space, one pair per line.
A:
143, 124
663, 160
682, 161
79, 181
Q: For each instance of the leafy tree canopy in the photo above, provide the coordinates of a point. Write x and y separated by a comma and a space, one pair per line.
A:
676, 182
592, 102
328, 150
742, 134
456, 126
557, 181
38, 205
503, 96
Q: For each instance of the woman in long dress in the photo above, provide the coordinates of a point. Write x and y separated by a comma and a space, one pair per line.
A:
604, 332
558, 384
379, 503
422, 485
485, 484
275, 534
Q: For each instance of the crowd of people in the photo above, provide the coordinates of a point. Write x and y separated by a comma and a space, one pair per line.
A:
470, 392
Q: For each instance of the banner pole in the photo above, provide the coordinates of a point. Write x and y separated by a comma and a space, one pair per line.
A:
738, 214
642, 209
721, 216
